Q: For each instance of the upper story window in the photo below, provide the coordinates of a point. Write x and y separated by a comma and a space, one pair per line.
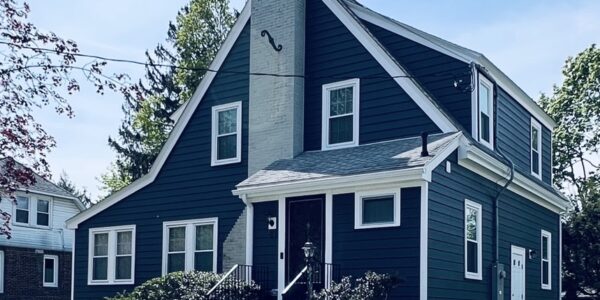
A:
473, 260
377, 209
190, 245
22, 210
32, 211
340, 114
43, 212
111, 255
546, 260
536, 148
226, 141
485, 112
50, 276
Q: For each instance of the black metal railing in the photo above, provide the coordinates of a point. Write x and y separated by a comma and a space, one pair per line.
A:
231, 285
323, 275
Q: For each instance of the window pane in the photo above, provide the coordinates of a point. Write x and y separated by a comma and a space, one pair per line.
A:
204, 237
472, 257
22, 216
544, 247
227, 146
176, 262
43, 206
471, 223
22, 202
485, 127
534, 138
100, 244
48, 270
123, 267
203, 261
177, 239
340, 129
227, 121
378, 210
484, 95
43, 219
545, 270
340, 101
124, 242
100, 267
535, 163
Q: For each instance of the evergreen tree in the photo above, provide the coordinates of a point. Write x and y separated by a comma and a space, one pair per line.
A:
65, 183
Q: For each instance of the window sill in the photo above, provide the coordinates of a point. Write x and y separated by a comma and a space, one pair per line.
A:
26, 225
339, 146
216, 163
546, 287
473, 276
374, 226
129, 282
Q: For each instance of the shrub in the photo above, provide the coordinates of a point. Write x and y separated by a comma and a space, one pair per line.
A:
372, 286
188, 286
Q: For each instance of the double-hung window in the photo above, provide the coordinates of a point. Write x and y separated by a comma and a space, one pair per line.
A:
33, 211
473, 260
377, 209
22, 210
340, 124
190, 245
226, 141
43, 213
112, 255
485, 111
546, 260
536, 149
50, 276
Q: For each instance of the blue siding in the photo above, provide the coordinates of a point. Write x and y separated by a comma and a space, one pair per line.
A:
333, 54
186, 188
392, 250
546, 155
521, 222
435, 71
265, 241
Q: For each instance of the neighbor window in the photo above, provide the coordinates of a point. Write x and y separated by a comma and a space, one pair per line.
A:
486, 111
473, 260
33, 211
22, 211
111, 255
340, 114
226, 134
536, 148
377, 209
190, 245
43, 212
546, 260
50, 276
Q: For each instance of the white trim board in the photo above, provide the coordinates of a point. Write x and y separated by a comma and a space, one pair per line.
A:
185, 117
424, 242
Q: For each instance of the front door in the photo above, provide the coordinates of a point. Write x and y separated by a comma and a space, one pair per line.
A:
517, 273
305, 220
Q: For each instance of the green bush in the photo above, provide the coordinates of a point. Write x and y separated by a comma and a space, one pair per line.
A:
372, 286
188, 286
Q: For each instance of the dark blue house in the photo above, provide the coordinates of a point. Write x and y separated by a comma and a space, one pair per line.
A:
316, 116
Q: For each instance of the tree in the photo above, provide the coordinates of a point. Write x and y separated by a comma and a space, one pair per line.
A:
82, 194
575, 105
192, 43
36, 70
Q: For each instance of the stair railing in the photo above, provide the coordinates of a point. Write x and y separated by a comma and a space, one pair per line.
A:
295, 280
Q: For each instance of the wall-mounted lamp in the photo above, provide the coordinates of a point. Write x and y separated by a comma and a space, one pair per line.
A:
532, 254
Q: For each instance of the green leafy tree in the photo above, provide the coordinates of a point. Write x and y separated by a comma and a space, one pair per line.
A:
192, 43
575, 105
65, 183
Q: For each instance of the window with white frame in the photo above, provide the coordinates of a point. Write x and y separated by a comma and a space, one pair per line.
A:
536, 148
111, 255
226, 141
22, 210
340, 114
33, 210
375, 209
1, 271
190, 245
485, 111
50, 275
473, 259
546, 260
43, 213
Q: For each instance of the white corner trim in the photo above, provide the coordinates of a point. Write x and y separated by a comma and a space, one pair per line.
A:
424, 242
535, 124
409, 85
325, 115
214, 160
2, 268
249, 233
73, 258
190, 238
359, 199
560, 244
74, 222
111, 254
548, 235
328, 233
281, 247
474, 275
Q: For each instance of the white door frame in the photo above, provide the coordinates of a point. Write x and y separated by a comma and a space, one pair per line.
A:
521, 251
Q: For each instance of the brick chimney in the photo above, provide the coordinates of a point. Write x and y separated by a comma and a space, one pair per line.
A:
276, 114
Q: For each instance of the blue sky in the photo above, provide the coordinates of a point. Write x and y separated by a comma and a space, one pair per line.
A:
528, 40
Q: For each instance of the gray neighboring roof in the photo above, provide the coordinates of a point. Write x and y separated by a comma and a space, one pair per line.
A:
369, 158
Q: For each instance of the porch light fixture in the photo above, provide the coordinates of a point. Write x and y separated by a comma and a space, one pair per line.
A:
309, 250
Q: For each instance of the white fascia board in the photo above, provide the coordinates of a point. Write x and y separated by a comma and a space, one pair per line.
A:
177, 114
442, 155
391, 66
492, 169
74, 199
177, 130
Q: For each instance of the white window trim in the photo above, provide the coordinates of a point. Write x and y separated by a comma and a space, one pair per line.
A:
190, 246
355, 84
548, 235
32, 211
476, 206
112, 255
54, 258
1, 271
483, 80
535, 124
358, 208
214, 134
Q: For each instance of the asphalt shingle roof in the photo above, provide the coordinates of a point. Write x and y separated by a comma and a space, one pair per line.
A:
369, 158
43, 185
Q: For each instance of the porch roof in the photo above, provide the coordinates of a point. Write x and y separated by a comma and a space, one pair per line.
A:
369, 158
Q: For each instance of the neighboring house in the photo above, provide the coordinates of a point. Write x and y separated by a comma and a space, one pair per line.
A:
35, 263
254, 158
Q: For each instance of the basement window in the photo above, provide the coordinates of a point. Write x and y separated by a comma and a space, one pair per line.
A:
111, 255
226, 141
546, 267
50, 271
485, 117
473, 260
190, 245
377, 209
340, 114
536, 149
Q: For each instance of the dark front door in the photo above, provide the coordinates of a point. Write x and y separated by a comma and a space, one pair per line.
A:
305, 219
